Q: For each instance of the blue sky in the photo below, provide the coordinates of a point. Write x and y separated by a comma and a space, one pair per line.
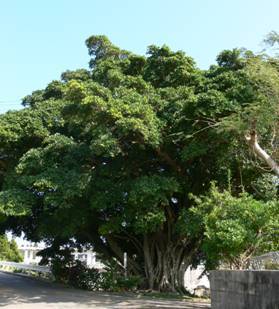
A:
41, 39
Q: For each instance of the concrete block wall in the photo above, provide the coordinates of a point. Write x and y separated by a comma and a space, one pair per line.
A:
244, 289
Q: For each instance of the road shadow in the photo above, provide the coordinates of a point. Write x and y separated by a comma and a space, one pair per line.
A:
29, 293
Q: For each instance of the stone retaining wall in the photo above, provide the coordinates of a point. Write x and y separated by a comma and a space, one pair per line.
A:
244, 289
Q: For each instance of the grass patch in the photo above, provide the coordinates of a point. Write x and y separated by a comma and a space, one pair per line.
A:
173, 296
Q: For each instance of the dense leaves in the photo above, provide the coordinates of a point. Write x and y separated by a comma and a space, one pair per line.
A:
235, 228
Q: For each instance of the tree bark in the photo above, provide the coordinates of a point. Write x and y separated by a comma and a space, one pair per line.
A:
149, 264
165, 263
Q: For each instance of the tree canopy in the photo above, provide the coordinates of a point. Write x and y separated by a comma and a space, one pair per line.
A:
110, 156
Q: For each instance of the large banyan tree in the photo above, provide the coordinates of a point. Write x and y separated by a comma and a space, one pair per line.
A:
108, 156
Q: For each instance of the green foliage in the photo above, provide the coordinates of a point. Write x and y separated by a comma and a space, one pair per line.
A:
74, 273
266, 187
113, 279
9, 250
80, 74
234, 228
117, 283
109, 156
84, 278
100, 48
166, 68
145, 194
231, 59
272, 39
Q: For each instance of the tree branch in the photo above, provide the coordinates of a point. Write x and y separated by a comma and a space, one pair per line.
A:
165, 157
252, 140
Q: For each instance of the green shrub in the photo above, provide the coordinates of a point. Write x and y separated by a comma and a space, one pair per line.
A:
117, 282
83, 277
113, 279
60, 270
9, 250
74, 273
128, 283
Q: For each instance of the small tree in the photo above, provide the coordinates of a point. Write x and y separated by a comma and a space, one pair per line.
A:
9, 250
234, 228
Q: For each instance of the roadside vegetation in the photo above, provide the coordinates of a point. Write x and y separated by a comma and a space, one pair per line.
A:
9, 250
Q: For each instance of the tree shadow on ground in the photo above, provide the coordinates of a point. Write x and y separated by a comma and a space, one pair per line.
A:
30, 293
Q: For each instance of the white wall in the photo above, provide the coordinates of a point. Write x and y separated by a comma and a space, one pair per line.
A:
192, 278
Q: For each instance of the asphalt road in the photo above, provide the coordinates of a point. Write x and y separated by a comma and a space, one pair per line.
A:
24, 293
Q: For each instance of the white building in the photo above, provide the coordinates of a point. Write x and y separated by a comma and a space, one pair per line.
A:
89, 258
29, 252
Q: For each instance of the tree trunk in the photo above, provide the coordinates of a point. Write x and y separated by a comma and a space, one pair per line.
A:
148, 263
165, 264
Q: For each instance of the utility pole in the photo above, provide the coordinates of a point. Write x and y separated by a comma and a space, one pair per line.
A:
125, 264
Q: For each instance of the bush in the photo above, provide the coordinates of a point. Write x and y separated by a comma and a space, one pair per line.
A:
9, 250
128, 283
83, 277
76, 274
73, 272
114, 280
